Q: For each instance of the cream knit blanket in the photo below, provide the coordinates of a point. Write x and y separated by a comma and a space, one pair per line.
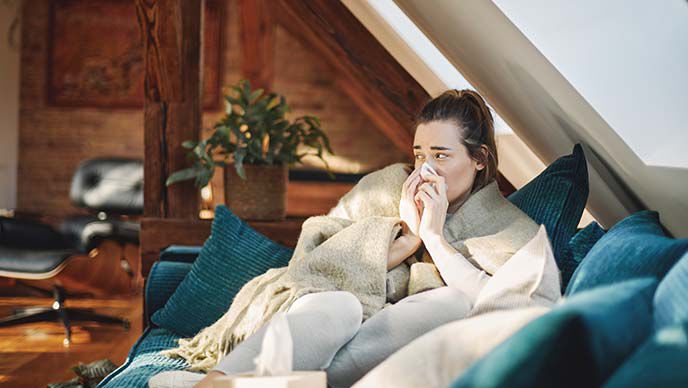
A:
347, 249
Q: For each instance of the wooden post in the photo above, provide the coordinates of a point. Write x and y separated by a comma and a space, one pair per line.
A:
257, 43
172, 43
171, 33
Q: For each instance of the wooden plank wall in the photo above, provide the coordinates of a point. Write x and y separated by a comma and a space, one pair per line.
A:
54, 140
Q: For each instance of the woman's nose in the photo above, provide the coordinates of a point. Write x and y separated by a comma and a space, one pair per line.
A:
431, 165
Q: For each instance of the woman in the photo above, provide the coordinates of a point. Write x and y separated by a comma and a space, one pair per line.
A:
456, 197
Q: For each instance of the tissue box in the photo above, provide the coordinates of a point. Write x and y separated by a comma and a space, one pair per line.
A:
296, 379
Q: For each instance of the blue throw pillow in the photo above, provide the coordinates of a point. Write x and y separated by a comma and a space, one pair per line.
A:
577, 248
556, 198
634, 247
233, 254
671, 298
660, 362
577, 344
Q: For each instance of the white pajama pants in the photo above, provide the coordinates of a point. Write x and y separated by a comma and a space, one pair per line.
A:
328, 335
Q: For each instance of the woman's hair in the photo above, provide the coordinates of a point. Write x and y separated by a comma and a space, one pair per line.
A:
467, 109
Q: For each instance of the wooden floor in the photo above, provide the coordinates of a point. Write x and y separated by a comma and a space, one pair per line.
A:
32, 355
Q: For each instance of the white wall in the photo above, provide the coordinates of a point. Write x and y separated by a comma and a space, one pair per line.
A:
627, 58
9, 109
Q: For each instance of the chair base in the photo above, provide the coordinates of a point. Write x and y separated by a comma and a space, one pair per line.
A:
59, 313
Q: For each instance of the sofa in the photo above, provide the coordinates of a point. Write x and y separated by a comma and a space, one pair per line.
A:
623, 317
144, 360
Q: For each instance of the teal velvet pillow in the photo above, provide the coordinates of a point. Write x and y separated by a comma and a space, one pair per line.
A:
577, 344
671, 298
233, 254
577, 248
556, 198
634, 247
660, 362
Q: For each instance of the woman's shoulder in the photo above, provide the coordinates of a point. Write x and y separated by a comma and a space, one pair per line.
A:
505, 208
516, 219
488, 212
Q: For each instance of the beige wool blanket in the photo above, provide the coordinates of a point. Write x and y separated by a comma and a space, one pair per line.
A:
347, 249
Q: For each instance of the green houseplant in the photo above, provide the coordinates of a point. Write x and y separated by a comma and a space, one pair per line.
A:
260, 143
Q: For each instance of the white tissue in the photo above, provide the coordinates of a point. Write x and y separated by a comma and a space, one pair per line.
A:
276, 353
425, 166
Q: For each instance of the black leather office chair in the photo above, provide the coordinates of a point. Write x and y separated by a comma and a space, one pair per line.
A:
30, 251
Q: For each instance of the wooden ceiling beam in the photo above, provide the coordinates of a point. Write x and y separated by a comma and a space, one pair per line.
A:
369, 74
376, 112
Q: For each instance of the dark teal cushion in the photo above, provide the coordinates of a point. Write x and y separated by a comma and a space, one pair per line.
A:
556, 198
577, 248
577, 344
233, 254
634, 247
662, 361
671, 298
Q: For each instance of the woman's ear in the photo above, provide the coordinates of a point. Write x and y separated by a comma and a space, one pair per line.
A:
480, 164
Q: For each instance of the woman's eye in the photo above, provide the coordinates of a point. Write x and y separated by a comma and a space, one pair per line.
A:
441, 156
419, 156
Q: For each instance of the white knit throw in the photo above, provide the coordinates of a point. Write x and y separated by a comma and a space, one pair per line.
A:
347, 250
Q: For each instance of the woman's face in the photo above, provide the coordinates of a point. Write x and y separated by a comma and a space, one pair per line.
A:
438, 144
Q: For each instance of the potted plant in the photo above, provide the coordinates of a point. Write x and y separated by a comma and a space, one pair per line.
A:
260, 143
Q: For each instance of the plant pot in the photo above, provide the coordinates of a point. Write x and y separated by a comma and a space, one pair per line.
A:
262, 196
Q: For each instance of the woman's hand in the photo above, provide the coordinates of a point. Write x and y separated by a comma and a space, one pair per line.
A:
402, 247
409, 207
433, 194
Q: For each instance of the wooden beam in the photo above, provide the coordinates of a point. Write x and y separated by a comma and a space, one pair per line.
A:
371, 74
380, 116
171, 33
257, 43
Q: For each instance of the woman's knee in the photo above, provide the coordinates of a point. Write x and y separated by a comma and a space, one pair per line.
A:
346, 301
344, 309
331, 302
334, 308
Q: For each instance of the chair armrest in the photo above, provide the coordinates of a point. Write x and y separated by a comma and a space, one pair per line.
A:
87, 232
180, 253
162, 281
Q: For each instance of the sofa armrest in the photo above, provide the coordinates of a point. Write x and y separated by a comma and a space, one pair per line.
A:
180, 253
162, 281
